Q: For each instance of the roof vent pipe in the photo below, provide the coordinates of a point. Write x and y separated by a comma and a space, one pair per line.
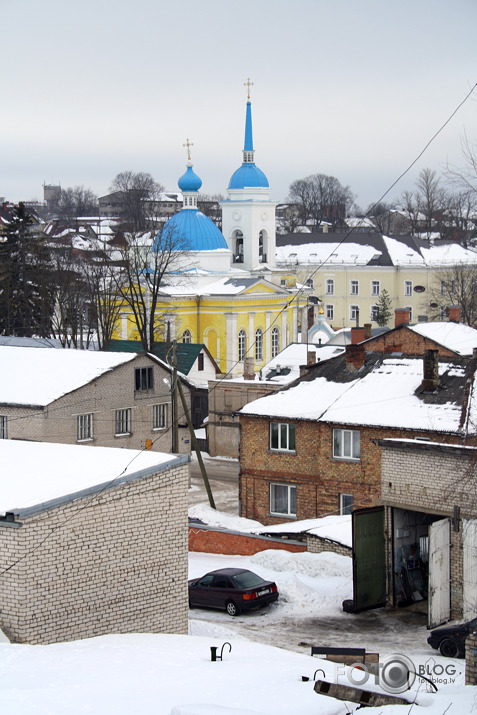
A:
430, 381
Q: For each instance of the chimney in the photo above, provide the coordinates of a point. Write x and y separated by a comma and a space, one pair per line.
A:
453, 311
367, 331
401, 316
311, 357
354, 356
430, 381
248, 368
357, 335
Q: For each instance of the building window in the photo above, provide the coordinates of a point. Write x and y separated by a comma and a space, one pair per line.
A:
374, 313
346, 444
354, 287
283, 499
283, 282
186, 336
282, 436
84, 427
309, 283
242, 345
123, 422
159, 416
346, 503
409, 308
330, 286
275, 342
353, 312
258, 345
144, 378
407, 287
330, 312
375, 288
443, 287
3, 427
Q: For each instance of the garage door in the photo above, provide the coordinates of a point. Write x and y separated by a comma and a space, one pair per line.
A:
469, 543
369, 566
439, 573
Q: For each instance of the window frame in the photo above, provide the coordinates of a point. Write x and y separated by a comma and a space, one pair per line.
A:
373, 313
329, 286
330, 311
375, 289
242, 344
272, 499
353, 312
143, 379
354, 284
122, 417
408, 288
259, 345
159, 411
285, 436
355, 436
3, 426
275, 342
187, 337
84, 427
346, 501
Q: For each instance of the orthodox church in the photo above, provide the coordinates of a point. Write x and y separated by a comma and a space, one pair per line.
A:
222, 294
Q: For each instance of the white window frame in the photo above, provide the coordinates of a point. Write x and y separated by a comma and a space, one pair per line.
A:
84, 427
330, 311
259, 345
285, 436
373, 313
242, 345
352, 285
3, 427
187, 337
376, 288
275, 342
407, 288
330, 286
409, 308
346, 501
353, 309
349, 447
287, 490
443, 288
122, 419
159, 416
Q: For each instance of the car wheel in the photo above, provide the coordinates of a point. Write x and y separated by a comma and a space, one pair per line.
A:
231, 608
448, 648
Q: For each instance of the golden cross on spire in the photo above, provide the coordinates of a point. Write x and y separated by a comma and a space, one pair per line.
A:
188, 144
248, 84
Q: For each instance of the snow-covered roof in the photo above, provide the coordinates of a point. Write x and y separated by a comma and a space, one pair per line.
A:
285, 367
34, 473
332, 252
460, 338
37, 377
385, 394
333, 528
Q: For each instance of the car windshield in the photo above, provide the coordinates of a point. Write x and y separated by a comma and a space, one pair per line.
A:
248, 579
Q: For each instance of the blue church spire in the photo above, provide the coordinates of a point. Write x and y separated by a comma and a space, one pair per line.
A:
249, 175
248, 143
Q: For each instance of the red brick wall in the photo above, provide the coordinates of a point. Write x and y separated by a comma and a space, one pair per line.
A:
319, 478
215, 541
404, 340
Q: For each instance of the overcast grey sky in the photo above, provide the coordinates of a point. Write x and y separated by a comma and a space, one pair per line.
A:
353, 88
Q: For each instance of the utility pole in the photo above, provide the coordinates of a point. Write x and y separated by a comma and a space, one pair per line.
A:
175, 422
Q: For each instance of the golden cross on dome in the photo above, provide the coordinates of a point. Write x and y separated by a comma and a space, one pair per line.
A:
248, 84
188, 144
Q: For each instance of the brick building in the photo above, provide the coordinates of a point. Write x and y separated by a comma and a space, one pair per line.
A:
92, 541
311, 449
430, 502
89, 398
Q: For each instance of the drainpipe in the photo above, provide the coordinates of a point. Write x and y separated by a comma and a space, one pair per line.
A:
198, 319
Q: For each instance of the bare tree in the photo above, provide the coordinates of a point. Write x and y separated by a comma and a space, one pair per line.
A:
139, 194
456, 285
321, 198
465, 178
77, 201
149, 260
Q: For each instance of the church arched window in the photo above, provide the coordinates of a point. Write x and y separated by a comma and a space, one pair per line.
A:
186, 336
237, 246
258, 345
262, 246
242, 345
275, 342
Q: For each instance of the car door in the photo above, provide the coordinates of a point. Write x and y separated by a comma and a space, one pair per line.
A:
220, 590
201, 592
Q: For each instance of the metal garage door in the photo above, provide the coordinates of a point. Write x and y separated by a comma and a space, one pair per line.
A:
469, 545
369, 564
439, 573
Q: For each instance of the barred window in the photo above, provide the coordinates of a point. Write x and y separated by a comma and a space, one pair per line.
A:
3, 427
159, 416
123, 422
84, 427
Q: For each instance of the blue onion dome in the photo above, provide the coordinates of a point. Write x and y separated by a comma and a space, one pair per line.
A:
248, 176
189, 181
195, 230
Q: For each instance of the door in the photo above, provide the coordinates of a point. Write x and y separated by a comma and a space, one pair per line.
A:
439, 573
369, 563
469, 585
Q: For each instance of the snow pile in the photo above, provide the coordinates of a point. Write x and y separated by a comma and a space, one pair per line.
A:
322, 565
220, 519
